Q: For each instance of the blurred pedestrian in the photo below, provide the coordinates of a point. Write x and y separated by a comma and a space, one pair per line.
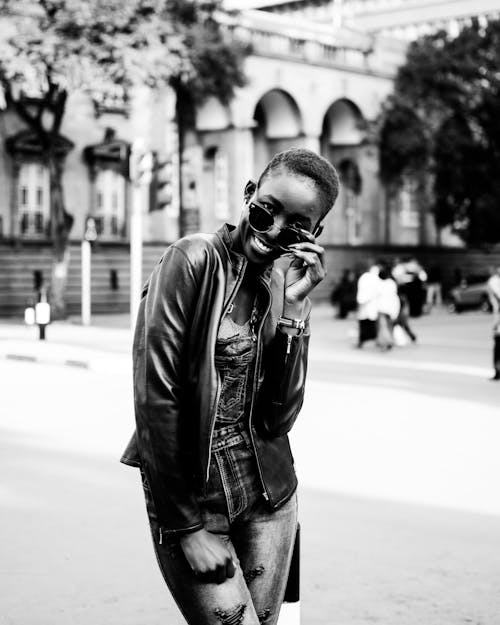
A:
413, 286
220, 358
434, 295
344, 294
493, 286
402, 321
367, 298
388, 306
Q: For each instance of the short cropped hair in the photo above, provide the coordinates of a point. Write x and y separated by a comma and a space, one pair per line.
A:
307, 163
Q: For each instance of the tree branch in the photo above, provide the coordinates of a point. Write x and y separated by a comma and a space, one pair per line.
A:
59, 109
31, 120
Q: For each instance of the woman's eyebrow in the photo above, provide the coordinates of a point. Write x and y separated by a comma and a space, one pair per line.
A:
270, 199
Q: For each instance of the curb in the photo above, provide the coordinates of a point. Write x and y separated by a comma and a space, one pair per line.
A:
64, 355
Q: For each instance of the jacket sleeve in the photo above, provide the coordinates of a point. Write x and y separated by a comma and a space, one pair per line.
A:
159, 357
282, 392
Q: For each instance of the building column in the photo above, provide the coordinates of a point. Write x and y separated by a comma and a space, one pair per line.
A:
312, 142
15, 226
241, 159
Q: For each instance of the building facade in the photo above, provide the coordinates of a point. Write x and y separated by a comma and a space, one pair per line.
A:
318, 75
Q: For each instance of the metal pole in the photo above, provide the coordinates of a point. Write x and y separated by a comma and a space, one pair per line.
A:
86, 296
135, 252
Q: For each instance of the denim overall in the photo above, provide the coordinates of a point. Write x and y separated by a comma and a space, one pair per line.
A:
260, 540
232, 455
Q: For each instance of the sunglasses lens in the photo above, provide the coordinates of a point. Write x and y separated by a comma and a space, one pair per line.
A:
288, 237
259, 218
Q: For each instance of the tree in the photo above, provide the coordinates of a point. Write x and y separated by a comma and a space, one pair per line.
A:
442, 121
215, 61
51, 48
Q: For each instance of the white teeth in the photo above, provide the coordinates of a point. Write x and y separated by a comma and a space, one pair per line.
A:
261, 246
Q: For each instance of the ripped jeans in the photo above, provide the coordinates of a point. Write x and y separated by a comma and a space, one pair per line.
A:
260, 540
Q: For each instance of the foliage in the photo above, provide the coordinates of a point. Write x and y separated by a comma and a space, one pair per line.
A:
443, 119
215, 60
50, 48
401, 152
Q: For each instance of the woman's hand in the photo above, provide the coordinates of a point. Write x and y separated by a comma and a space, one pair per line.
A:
305, 272
208, 557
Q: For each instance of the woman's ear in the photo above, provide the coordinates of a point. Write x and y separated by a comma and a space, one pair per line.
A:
250, 188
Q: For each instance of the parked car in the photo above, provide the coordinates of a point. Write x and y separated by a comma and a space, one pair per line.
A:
470, 294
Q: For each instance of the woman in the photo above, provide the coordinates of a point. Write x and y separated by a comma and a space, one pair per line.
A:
220, 355
388, 306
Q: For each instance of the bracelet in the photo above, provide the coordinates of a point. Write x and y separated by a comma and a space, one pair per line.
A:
297, 324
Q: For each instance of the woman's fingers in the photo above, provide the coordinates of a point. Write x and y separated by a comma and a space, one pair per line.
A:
209, 558
308, 247
310, 253
312, 261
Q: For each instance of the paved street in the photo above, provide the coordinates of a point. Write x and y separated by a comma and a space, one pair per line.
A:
396, 454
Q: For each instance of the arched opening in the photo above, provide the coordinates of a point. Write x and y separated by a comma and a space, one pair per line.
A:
342, 138
278, 125
343, 127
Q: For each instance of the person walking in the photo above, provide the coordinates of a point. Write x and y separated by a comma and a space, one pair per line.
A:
388, 306
413, 286
434, 296
403, 319
220, 357
493, 286
367, 299
344, 294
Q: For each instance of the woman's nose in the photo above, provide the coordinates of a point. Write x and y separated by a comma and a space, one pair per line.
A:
278, 225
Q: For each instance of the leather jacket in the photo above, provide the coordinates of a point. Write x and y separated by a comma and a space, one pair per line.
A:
176, 384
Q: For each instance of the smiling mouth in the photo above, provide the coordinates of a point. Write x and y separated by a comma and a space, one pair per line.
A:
262, 247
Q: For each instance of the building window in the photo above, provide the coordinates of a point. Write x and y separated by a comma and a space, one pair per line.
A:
353, 217
351, 189
110, 189
33, 200
409, 214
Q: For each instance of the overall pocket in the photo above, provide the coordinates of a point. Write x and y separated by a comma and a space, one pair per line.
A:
232, 396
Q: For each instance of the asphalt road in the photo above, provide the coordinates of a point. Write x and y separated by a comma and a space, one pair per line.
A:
398, 464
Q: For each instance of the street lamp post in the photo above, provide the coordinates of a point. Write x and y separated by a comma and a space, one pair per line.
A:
89, 237
140, 170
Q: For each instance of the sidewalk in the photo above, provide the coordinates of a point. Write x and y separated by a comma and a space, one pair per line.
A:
106, 343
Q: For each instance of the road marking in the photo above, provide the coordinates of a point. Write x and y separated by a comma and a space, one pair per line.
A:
20, 357
77, 363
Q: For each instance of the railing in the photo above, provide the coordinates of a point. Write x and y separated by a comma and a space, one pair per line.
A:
288, 37
109, 226
33, 224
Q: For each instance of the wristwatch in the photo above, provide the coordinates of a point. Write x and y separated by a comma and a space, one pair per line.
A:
298, 324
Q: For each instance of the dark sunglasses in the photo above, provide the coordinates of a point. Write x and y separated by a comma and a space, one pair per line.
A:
261, 220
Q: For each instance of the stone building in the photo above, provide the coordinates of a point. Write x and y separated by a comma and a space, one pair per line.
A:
317, 77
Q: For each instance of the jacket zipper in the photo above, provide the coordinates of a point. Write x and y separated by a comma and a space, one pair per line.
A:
255, 378
217, 395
